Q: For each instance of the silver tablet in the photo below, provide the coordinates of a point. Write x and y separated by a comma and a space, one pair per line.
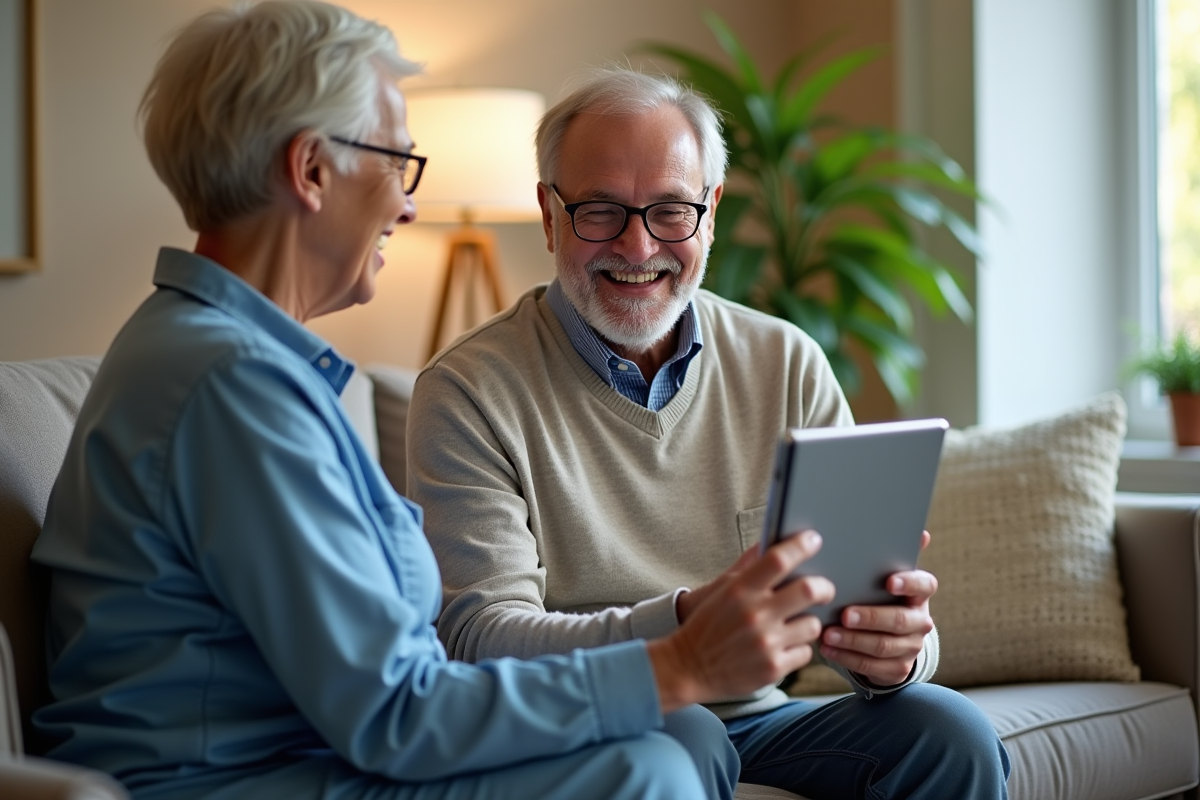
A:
866, 490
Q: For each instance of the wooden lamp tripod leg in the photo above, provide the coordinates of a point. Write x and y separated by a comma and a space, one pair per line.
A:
469, 248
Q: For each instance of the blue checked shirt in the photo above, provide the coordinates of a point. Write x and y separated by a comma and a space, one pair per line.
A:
619, 373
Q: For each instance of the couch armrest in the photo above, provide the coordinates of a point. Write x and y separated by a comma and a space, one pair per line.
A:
1158, 550
39, 779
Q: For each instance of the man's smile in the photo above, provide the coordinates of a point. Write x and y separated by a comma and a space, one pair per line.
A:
632, 277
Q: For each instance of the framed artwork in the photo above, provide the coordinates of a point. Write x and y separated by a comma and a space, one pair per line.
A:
20, 249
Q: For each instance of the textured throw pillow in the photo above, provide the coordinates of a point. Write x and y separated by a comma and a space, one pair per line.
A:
1022, 526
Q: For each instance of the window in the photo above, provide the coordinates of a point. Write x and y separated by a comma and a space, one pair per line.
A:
1177, 35
1160, 87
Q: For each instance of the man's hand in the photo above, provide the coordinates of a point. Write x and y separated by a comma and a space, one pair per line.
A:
881, 643
747, 630
689, 600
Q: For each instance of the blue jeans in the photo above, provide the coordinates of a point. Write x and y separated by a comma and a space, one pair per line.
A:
924, 741
649, 767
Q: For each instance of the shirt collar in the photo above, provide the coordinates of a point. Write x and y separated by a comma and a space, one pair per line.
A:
212, 284
595, 351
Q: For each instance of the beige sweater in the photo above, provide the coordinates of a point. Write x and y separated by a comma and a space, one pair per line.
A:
564, 515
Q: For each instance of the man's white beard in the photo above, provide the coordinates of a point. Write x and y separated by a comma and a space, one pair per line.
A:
633, 323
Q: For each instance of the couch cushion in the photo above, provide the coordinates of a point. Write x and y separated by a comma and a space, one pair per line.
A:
359, 401
1022, 525
39, 401
393, 391
1091, 741
1094, 741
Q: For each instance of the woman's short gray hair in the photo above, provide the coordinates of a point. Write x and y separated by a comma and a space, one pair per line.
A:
620, 91
236, 85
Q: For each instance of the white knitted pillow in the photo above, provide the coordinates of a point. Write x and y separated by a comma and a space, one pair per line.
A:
1022, 527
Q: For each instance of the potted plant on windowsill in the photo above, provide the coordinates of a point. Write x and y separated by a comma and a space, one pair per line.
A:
1176, 370
837, 211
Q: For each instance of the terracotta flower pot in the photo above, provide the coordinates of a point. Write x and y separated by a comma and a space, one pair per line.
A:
1185, 411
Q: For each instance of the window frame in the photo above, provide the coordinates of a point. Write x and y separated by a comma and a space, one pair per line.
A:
1138, 82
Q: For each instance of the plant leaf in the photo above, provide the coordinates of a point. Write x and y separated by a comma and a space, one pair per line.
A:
874, 288
836, 202
727, 215
840, 157
918, 204
901, 381
880, 338
735, 270
846, 371
923, 172
895, 357
964, 231
932, 280
808, 315
799, 108
709, 78
762, 112
730, 44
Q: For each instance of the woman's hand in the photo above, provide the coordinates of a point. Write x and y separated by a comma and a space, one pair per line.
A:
745, 630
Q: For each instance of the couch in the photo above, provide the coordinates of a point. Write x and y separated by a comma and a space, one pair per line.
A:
1070, 735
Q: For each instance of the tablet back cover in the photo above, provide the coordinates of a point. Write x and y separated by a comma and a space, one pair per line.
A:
866, 490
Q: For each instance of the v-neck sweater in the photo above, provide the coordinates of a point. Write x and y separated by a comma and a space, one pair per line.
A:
565, 515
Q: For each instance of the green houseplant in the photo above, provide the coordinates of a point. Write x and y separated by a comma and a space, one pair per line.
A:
837, 212
1176, 370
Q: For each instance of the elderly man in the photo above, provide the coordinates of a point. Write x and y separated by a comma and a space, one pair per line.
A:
607, 441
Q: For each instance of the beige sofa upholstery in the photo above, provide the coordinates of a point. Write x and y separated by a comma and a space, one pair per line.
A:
1093, 740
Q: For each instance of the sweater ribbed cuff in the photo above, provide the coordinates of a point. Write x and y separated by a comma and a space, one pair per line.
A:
624, 692
656, 617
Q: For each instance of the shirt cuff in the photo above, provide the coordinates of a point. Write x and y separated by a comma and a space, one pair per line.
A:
656, 617
624, 692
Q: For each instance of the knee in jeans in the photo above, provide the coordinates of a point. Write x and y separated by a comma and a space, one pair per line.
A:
959, 723
937, 703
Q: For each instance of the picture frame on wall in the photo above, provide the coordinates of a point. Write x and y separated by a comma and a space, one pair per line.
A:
20, 246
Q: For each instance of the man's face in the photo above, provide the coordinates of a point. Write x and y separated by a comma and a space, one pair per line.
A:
631, 289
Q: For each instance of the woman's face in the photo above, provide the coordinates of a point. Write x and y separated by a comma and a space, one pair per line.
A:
364, 207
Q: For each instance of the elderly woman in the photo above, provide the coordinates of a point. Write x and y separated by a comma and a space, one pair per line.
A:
241, 605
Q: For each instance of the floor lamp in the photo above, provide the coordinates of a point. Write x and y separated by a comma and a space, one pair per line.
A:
482, 169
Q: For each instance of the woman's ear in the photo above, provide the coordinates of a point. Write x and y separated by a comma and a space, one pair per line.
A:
307, 169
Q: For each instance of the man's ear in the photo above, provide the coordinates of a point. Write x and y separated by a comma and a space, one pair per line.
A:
712, 210
307, 170
546, 202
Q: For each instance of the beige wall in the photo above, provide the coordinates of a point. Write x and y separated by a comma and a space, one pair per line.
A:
105, 213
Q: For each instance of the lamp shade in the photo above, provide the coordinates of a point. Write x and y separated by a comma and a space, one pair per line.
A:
479, 142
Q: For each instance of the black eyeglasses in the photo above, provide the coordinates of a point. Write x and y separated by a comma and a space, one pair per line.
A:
409, 177
601, 221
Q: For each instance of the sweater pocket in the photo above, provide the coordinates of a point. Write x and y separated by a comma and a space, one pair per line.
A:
750, 525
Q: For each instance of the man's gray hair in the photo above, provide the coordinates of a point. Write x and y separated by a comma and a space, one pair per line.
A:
621, 91
236, 85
